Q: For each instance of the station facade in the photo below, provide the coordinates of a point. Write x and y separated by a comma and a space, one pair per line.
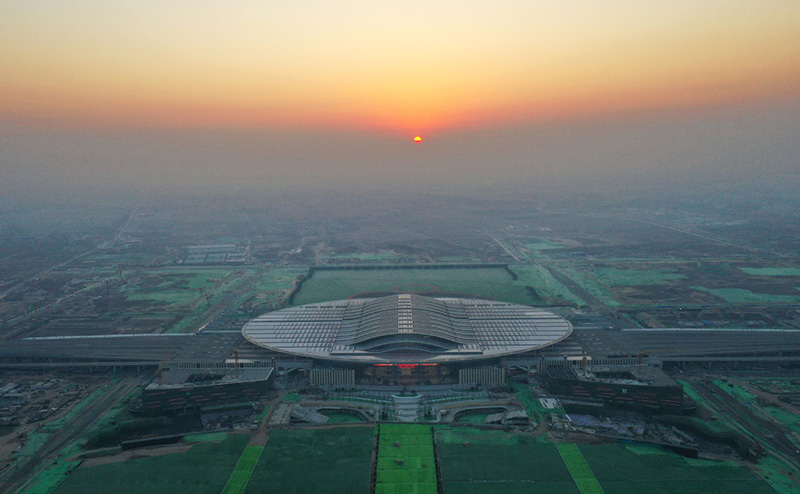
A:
407, 339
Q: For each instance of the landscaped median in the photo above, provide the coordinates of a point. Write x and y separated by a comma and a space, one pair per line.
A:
244, 468
581, 473
406, 462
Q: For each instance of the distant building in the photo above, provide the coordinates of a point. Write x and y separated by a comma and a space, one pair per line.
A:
642, 388
183, 390
215, 254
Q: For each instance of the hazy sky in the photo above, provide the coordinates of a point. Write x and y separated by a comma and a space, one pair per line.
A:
253, 92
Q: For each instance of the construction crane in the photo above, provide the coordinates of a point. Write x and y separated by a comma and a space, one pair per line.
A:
160, 369
236, 355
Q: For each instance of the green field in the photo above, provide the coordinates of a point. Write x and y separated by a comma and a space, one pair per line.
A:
550, 290
363, 256
788, 419
406, 463
205, 468
742, 296
473, 418
625, 471
595, 287
176, 288
534, 408
272, 287
244, 469
475, 461
206, 437
58, 423
635, 277
308, 461
772, 271
534, 244
495, 283
342, 417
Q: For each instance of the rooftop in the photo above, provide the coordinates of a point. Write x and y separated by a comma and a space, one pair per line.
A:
407, 328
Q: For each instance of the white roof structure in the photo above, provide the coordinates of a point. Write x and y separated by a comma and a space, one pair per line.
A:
406, 328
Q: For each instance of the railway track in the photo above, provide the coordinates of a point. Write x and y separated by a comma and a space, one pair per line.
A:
69, 433
763, 430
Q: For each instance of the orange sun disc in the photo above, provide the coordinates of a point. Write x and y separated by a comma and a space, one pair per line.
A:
417, 139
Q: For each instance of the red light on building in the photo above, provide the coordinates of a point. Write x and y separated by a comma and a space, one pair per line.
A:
404, 366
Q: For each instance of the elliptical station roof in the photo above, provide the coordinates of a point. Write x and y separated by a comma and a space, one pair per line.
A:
406, 328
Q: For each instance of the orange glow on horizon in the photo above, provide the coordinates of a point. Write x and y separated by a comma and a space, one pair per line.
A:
426, 68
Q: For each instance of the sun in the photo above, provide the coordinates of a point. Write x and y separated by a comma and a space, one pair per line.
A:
417, 139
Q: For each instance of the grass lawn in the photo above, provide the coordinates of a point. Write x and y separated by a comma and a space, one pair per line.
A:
621, 470
205, 468
479, 461
308, 461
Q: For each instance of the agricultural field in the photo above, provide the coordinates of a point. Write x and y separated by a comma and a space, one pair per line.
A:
406, 463
476, 461
636, 277
300, 461
741, 296
623, 283
107, 261
636, 469
361, 257
178, 288
591, 285
270, 290
772, 271
538, 244
204, 468
494, 283
548, 289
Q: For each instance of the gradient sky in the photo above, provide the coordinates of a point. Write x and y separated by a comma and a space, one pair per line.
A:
318, 73
412, 65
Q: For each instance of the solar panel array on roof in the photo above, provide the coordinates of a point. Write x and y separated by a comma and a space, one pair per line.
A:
406, 327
